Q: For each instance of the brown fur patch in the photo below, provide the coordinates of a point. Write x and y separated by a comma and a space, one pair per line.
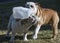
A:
48, 16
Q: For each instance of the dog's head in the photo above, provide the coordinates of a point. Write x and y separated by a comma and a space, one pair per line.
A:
30, 5
35, 6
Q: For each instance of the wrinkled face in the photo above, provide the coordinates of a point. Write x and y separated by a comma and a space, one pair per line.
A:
30, 5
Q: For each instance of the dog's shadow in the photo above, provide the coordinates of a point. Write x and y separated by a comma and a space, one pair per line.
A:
3, 38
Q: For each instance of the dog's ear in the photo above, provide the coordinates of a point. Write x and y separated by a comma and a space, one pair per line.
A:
37, 3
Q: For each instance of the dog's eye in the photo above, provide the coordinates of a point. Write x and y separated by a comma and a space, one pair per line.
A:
32, 6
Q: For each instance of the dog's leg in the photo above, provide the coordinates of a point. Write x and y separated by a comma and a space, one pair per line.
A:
55, 31
36, 31
55, 27
25, 34
13, 33
25, 37
9, 25
8, 29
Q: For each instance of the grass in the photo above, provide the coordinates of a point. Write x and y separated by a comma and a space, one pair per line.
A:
43, 37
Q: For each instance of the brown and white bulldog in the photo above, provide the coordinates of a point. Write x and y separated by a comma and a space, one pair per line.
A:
44, 16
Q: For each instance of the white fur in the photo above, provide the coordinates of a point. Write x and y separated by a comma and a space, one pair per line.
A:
22, 12
34, 9
25, 37
36, 32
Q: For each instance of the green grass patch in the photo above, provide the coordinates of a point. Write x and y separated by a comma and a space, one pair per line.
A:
43, 37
